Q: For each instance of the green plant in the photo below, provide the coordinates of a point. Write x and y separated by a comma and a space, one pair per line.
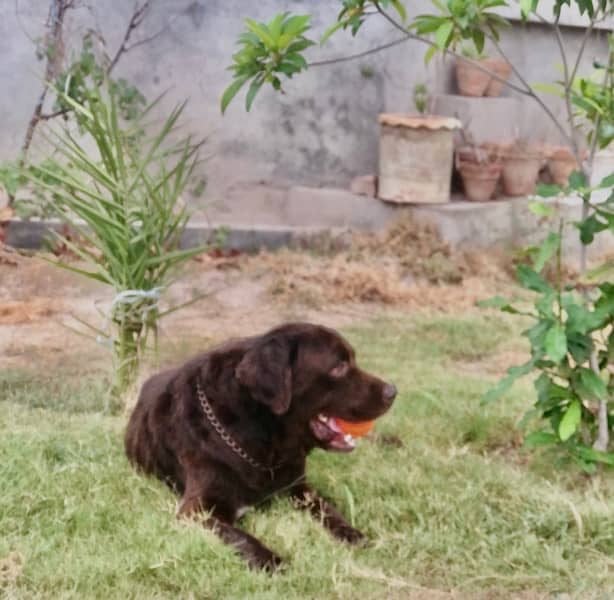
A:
421, 98
267, 50
470, 52
86, 70
124, 203
572, 344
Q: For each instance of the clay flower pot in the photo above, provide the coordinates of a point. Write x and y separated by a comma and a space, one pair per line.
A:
501, 68
472, 81
520, 171
479, 179
561, 164
484, 152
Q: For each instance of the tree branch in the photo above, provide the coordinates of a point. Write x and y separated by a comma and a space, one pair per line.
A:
138, 15
530, 92
333, 61
55, 21
603, 433
478, 66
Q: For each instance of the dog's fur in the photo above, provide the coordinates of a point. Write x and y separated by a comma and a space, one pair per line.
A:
266, 391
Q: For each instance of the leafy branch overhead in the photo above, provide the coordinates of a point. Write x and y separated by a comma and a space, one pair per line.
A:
267, 51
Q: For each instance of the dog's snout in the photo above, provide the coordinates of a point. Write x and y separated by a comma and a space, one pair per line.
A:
390, 392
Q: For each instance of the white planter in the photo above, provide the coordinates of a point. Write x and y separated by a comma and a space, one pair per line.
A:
416, 154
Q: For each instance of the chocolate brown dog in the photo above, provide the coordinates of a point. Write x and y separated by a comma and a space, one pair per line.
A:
235, 424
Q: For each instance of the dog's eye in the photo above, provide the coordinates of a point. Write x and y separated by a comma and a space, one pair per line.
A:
340, 370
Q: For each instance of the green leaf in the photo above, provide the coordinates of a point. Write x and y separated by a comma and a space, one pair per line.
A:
251, 93
497, 302
589, 227
607, 182
332, 29
595, 455
231, 91
547, 248
577, 180
263, 33
494, 393
547, 190
513, 373
541, 209
593, 384
478, 40
540, 438
580, 346
443, 34
428, 55
531, 280
570, 421
525, 7
400, 8
555, 90
555, 343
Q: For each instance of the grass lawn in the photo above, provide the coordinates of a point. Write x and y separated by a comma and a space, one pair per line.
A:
457, 511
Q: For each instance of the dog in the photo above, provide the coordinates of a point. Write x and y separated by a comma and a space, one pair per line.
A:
233, 426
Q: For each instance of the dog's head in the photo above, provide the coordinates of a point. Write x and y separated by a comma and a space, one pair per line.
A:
307, 375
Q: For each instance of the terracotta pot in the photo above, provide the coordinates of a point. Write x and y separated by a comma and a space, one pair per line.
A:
486, 151
520, 171
480, 179
503, 69
561, 164
471, 81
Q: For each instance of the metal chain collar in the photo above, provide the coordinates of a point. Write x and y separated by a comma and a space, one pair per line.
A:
226, 437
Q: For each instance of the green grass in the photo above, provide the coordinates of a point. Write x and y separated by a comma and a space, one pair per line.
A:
458, 508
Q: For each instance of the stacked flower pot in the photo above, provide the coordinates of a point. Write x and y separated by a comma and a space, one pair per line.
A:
513, 168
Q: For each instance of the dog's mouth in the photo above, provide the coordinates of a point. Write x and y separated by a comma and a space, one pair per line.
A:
328, 433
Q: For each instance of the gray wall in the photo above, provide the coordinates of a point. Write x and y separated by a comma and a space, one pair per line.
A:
321, 132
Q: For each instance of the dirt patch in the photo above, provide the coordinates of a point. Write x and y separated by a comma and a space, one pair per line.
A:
13, 313
11, 567
495, 365
407, 268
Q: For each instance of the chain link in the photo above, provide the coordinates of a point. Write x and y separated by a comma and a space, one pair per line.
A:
226, 437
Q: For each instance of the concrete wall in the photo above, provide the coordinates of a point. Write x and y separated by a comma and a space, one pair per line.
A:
321, 132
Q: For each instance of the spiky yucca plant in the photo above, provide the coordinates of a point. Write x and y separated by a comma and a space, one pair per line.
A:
123, 199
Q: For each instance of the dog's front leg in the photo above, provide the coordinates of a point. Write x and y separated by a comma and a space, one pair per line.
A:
307, 499
254, 552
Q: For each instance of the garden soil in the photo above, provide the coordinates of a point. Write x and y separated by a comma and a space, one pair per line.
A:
406, 269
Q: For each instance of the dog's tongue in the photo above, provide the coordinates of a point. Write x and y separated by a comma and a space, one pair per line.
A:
327, 431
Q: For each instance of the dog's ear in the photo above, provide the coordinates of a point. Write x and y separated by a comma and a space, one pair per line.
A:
265, 370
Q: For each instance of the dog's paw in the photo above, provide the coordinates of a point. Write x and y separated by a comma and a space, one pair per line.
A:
266, 561
348, 534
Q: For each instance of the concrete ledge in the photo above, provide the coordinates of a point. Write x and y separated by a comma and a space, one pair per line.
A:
34, 234
481, 225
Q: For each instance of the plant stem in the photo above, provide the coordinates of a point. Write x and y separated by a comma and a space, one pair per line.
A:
603, 433
531, 93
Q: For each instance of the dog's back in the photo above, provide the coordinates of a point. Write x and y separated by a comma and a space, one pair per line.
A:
147, 430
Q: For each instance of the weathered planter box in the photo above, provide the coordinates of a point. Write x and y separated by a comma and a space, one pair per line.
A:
415, 158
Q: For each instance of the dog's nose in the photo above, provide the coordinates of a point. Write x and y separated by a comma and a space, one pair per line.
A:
390, 392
